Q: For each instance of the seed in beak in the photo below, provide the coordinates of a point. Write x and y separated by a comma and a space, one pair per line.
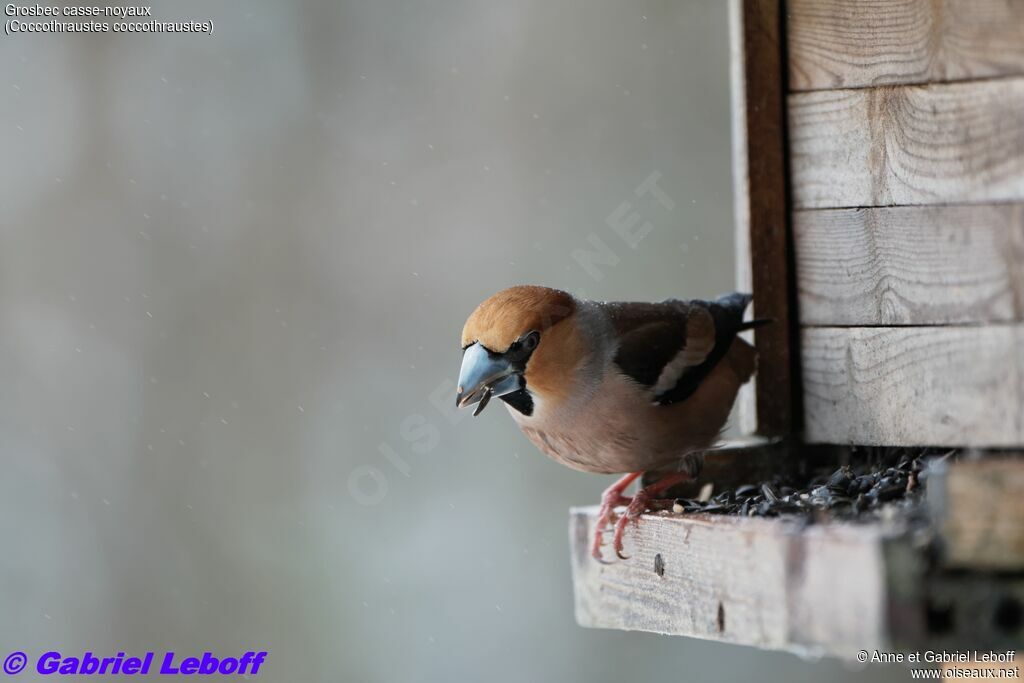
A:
483, 401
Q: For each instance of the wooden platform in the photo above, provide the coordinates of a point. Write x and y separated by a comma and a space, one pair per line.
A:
775, 584
764, 582
948, 572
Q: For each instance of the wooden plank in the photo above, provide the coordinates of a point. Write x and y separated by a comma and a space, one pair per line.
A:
769, 583
910, 265
858, 43
933, 144
912, 386
978, 508
820, 589
759, 153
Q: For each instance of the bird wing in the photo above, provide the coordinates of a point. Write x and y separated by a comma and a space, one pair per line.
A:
671, 346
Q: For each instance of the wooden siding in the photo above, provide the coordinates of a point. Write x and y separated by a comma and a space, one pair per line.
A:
862, 43
948, 386
934, 144
920, 265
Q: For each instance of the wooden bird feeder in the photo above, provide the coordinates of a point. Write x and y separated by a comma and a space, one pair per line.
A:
879, 156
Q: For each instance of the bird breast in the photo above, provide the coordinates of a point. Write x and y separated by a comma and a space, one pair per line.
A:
616, 427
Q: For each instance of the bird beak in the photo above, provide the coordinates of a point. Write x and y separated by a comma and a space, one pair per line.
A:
484, 375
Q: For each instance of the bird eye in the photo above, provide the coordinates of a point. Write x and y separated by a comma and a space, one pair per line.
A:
530, 341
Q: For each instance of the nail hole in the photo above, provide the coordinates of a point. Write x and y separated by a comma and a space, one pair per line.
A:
721, 618
1009, 615
659, 565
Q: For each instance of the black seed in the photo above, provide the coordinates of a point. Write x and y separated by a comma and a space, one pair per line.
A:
840, 479
891, 492
724, 498
859, 504
746, 490
843, 493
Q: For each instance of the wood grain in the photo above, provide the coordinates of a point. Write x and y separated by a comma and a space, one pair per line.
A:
978, 507
935, 144
825, 589
914, 386
858, 43
762, 217
910, 265
769, 583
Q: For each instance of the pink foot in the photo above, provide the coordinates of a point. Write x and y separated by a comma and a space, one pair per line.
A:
609, 501
640, 503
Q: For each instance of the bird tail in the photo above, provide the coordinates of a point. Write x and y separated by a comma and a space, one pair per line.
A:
755, 323
735, 303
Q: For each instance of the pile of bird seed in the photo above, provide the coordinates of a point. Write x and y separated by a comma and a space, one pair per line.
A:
848, 492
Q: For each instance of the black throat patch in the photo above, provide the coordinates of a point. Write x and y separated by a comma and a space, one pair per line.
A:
520, 400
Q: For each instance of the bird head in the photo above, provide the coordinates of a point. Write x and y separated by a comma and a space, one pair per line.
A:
502, 342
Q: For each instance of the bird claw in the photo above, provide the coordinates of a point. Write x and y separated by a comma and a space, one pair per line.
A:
636, 507
606, 516
600, 529
632, 514
640, 503
606, 521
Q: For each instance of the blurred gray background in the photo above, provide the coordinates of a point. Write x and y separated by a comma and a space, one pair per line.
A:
233, 273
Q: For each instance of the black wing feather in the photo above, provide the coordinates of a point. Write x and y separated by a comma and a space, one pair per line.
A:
650, 348
652, 335
727, 312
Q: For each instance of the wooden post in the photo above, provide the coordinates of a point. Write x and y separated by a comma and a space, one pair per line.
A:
762, 215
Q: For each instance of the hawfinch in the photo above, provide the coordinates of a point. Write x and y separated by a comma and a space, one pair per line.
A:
610, 387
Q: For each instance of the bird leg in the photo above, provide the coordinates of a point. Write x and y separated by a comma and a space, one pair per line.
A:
611, 498
641, 502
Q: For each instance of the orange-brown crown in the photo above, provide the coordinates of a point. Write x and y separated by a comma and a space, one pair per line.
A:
513, 312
